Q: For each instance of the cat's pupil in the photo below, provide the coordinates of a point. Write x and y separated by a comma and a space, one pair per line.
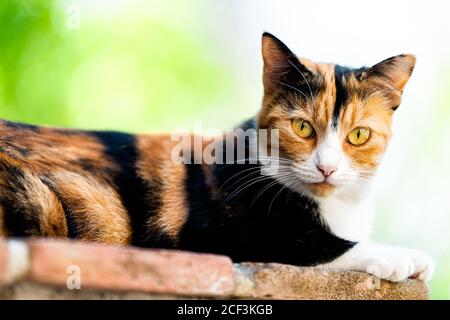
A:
358, 134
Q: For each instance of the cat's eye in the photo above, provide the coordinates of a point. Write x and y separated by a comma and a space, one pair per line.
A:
359, 136
302, 128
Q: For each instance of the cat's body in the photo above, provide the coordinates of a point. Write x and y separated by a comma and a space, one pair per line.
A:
126, 189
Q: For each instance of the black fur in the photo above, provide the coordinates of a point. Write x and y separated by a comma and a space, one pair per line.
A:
252, 226
292, 76
20, 218
21, 126
140, 198
196, 231
340, 73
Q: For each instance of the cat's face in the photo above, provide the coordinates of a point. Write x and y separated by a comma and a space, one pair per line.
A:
334, 122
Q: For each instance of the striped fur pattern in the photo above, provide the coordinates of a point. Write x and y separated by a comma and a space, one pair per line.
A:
124, 189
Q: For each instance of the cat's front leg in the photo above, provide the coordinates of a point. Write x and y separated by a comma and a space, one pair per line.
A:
386, 262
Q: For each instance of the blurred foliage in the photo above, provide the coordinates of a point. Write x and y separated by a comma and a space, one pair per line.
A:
130, 71
440, 284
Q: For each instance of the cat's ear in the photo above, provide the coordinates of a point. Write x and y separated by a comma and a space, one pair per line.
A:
394, 72
281, 66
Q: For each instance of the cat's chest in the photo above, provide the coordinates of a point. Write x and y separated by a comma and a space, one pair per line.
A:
350, 220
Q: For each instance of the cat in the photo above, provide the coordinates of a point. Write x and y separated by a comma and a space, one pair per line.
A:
333, 125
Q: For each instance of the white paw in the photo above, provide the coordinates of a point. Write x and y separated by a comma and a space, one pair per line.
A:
398, 264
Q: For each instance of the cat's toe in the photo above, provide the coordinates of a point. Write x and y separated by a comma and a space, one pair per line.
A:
399, 265
423, 266
403, 269
379, 268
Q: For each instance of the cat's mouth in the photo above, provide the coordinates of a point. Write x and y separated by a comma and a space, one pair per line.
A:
321, 189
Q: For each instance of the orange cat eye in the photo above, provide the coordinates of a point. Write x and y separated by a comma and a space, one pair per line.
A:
303, 128
358, 136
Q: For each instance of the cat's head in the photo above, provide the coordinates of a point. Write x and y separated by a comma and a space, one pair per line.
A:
334, 122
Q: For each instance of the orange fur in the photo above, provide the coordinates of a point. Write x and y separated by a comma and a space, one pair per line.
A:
96, 208
155, 165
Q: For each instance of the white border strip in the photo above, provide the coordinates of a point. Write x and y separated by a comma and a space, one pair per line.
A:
18, 260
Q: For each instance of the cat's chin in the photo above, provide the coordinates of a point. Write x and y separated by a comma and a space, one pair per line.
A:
322, 189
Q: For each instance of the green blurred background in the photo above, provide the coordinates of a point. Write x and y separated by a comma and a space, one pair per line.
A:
133, 65
153, 66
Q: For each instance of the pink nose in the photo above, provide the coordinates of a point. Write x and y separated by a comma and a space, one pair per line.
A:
326, 170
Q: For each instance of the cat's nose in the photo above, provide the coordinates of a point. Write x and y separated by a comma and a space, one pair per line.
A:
326, 170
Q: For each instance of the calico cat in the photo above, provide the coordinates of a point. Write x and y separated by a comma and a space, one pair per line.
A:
333, 123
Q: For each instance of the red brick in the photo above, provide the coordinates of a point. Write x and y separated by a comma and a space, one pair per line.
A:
3, 261
131, 269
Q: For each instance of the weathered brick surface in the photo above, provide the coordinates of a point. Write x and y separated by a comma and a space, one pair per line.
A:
276, 281
38, 269
3, 261
34, 291
131, 269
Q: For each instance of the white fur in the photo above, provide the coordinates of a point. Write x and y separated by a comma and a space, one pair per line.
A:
385, 262
352, 220
349, 219
329, 153
347, 212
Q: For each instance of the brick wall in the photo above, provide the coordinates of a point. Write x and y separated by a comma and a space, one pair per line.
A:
46, 269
